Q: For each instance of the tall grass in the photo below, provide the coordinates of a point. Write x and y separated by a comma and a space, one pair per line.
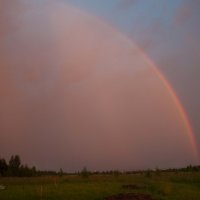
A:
165, 185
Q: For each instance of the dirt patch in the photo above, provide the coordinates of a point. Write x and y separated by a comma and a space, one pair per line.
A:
130, 196
133, 187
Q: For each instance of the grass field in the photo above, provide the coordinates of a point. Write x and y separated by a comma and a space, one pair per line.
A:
165, 185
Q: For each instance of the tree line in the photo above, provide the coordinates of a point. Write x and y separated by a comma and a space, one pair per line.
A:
15, 168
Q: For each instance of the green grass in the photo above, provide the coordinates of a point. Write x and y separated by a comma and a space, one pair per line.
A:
165, 186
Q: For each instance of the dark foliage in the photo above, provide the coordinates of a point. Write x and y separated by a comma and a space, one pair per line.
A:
85, 173
3, 167
14, 165
15, 168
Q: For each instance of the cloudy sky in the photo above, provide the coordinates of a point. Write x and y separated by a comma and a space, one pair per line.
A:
102, 84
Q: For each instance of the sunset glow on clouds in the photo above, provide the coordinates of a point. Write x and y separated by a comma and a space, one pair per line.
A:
75, 91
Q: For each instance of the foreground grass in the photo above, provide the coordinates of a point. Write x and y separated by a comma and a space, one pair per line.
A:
162, 186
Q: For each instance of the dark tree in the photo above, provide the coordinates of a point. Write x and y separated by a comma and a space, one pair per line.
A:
14, 165
85, 173
3, 166
61, 173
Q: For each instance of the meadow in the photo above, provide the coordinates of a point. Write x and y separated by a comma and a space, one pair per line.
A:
161, 186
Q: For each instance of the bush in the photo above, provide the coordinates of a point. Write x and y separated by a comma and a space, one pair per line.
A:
85, 173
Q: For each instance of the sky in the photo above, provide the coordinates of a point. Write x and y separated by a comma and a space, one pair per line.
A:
102, 84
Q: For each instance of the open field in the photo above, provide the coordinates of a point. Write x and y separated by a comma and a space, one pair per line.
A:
164, 185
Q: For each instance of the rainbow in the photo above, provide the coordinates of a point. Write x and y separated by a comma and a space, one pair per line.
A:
174, 97
178, 105
180, 109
